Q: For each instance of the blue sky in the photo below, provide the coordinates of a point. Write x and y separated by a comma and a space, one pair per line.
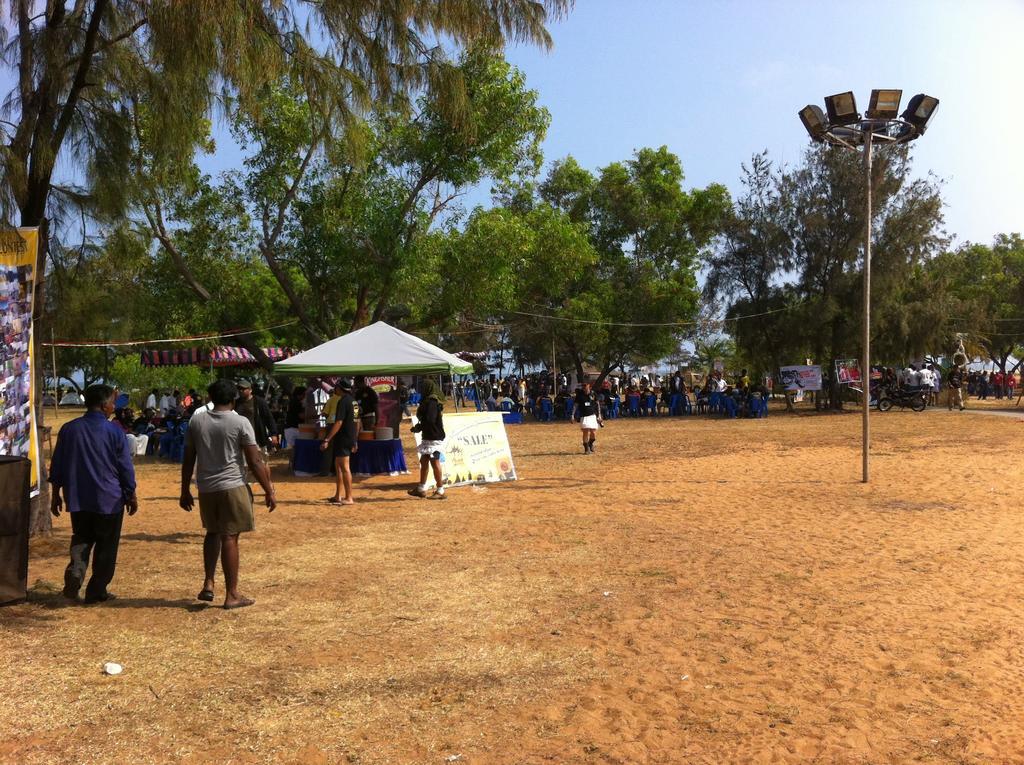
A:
719, 81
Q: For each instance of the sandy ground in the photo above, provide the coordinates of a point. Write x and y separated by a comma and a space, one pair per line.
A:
699, 591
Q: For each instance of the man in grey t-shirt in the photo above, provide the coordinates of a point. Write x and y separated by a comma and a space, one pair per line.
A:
223, 443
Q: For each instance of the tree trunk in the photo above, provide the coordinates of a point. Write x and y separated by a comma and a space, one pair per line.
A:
835, 390
359, 318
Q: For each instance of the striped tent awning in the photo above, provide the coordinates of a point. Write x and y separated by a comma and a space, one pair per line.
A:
179, 358
219, 356
233, 356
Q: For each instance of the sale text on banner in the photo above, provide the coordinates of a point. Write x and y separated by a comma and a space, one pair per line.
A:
476, 449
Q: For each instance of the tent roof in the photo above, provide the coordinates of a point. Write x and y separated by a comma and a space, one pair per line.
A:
376, 349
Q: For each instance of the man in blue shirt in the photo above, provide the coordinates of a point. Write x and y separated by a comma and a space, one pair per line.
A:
92, 466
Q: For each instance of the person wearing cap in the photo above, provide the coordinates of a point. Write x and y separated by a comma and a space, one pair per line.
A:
256, 410
342, 441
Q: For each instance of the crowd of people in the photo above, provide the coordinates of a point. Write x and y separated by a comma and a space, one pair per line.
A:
929, 380
995, 384
646, 395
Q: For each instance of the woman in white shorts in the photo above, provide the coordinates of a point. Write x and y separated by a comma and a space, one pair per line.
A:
430, 426
588, 414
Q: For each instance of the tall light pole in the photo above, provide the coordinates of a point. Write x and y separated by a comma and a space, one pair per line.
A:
846, 128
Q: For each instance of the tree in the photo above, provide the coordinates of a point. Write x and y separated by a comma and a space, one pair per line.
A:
985, 284
633, 305
519, 263
131, 377
792, 258
363, 223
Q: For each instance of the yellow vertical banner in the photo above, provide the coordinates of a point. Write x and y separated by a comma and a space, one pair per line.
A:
18, 436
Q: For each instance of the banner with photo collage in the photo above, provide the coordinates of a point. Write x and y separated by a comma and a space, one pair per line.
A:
848, 371
800, 377
18, 437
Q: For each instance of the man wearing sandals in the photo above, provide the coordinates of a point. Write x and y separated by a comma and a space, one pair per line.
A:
222, 442
342, 440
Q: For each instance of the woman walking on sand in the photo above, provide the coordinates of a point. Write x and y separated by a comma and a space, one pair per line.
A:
431, 429
588, 414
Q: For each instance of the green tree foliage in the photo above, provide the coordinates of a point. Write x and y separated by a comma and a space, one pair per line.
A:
131, 377
648, 234
792, 253
366, 234
983, 295
507, 260
81, 68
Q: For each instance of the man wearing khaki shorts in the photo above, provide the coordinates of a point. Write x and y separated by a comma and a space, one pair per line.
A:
222, 442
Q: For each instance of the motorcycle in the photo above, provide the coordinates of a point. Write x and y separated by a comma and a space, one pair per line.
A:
904, 398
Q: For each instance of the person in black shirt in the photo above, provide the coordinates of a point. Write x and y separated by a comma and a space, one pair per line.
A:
588, 415
430, 426
403, 398
255, 409
955, 381
342, 438
368, 399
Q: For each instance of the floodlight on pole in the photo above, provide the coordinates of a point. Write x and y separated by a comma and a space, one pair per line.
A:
884, 104
846, 128
814, 120
842, 109
920, 111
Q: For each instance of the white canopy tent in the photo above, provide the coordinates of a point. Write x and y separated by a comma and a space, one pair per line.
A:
376, 349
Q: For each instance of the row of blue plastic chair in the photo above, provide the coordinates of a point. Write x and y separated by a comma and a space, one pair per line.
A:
679, 404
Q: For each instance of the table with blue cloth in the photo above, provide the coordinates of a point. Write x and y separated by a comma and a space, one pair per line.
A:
379, 458
372, 458
306, 457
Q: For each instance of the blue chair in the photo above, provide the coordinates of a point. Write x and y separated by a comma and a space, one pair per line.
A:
758, 407
506, 406
167, 438
569, 407
634, 405
176, 444
652, 404
675, 404
547, 410
615, 408
414, 398
715, 401
729, 406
